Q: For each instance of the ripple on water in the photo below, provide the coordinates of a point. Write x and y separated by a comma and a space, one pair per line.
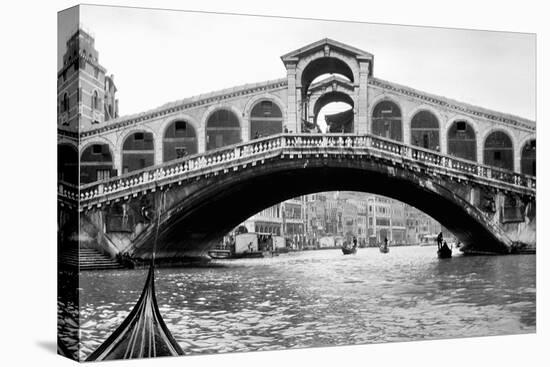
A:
320, 298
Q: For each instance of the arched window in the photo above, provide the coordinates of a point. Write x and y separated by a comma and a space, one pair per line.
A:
65, 102
528, 158
461, 141
425, 130
386, 121
222, 128
179, 140
138, 152
95, 101
266, 119
96, 164
498, 151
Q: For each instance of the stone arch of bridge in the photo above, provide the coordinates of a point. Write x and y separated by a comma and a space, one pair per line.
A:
253, 102
264, 97
450, 124
507, 133
319, 63
386, 98
527, 155
330, 97
89, 174
223, 107
168, 124
200, 214
410, 115
149, 155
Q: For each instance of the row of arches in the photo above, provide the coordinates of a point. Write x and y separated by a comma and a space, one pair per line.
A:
180, 139
266, 118
498, 149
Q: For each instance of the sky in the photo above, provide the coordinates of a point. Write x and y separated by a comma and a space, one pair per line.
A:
159, 56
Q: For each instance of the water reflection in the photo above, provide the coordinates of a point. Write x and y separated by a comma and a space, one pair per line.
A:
321, 298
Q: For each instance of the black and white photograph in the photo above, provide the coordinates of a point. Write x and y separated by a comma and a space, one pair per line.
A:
239, 183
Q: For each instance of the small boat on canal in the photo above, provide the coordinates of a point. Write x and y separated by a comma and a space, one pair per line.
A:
143, 334
349, 250
219, 254
444, 252
384, 247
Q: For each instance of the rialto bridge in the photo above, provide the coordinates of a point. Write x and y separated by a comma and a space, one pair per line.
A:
215, 159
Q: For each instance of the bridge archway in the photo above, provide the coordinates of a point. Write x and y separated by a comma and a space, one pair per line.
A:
266, 118
203, 212
223, 127
67, 163
96, 163
387, 120
337, 122
323, 66
461, 140
425, 130
138, 151
529, 157
179, 139
498, 150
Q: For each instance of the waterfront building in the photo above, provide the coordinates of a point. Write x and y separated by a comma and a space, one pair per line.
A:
419, 224
286, 219
86, 98
269, 220
397, 222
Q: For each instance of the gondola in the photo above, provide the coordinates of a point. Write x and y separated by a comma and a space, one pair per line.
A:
384, 249
444, 253
143, 334
349, 250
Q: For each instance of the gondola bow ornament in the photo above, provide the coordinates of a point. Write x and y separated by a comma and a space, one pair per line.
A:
143, 334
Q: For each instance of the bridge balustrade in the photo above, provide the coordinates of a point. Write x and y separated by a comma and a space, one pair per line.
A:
67, 190
333, 143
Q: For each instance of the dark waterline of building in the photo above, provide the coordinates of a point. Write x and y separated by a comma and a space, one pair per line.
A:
321, 298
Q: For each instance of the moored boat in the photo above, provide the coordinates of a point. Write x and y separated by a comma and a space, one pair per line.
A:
219, 254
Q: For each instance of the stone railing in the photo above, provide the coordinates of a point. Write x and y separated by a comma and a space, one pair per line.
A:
67, 190
243, 153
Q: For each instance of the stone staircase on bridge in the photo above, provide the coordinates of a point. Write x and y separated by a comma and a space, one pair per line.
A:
87, 259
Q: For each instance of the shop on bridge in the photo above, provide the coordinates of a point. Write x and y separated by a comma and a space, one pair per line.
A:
461, 141
266, 119
180, 139
96, 164
386, 121
222, 128
498, 151
138, 152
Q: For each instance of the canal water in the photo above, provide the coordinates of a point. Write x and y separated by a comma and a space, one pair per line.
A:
321, 298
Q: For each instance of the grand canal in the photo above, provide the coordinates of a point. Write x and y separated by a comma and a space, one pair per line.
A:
320, 298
